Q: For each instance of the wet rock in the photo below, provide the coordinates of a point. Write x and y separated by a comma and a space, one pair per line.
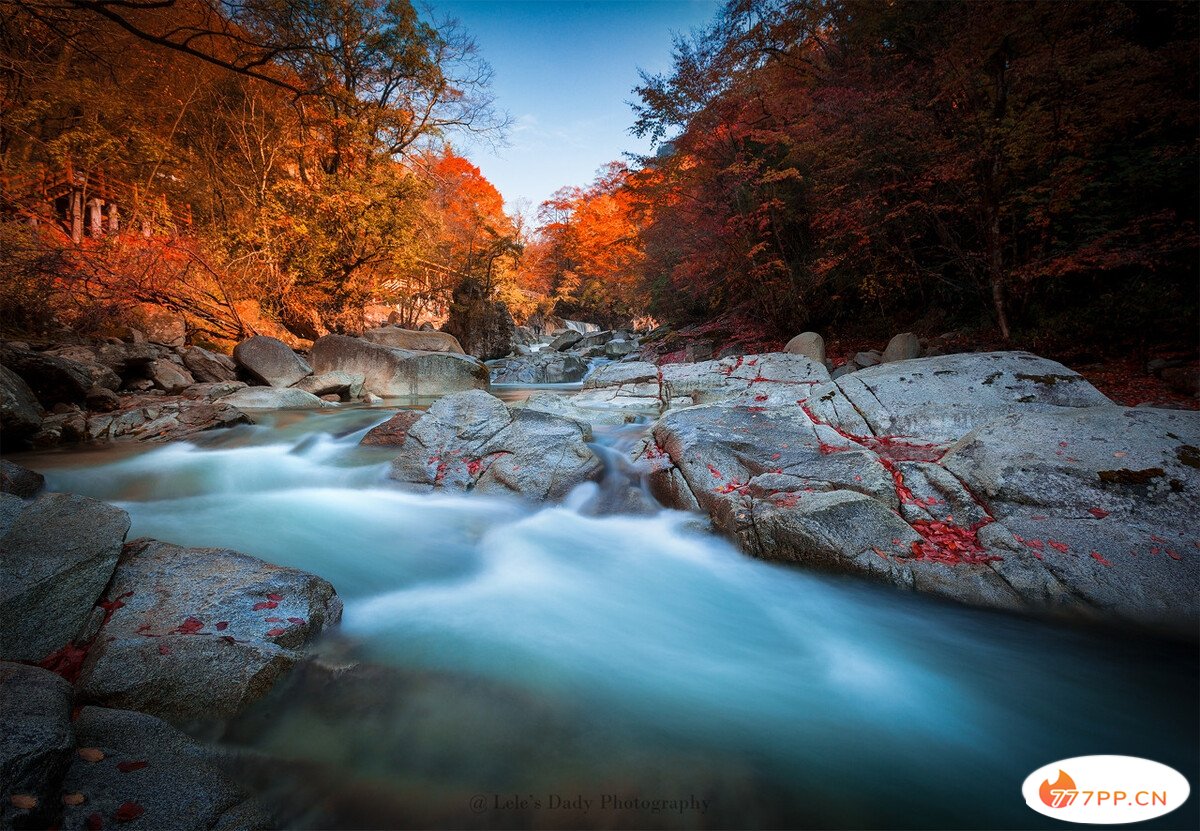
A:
567, 340
212, 390
202, 632
470, 441
388, 371
541, 368
58, 555
343, 384
20, 412
62, 428
168, 376
151, 776
270, 361
483, 326
18, 480
394, 431
940, 399
902, 347
146, 418
208, 367
415, 341
371, 399
273, 398
36, 743
809, 344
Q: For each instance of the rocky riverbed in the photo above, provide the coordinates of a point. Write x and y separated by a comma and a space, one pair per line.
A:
525, 540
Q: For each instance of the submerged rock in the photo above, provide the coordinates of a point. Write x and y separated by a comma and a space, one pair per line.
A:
388, 371
58, 555
271, 361
200, 633
470, 441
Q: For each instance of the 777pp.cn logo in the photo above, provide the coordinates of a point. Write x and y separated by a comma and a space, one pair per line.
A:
1105, 789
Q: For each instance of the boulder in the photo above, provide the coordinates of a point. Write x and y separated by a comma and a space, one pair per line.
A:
54, 379
415, 341
146, 418
270, 361
208, 367
58, 555
594, 339
20, 412
862, 360
942, 398
162, 326
567, 340
168, 376
18, 480
844, 369
809, 344
273, 398
212, 390
388, 371
201, 633
483, 326
567, 407
394, 431
129, 360
36, 743
631, 386
902, 347
64, 427
541, 368
102, 400
620, 348
775, 377
342, 384
470, 441
136, 771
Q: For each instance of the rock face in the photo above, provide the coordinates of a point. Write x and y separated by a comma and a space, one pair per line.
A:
201, 633
394, 431
169, 376
482, 326
634, 386
566, 407
758, 379
471, 441
541, 368
147, 418
20, 413
149, 769
36, 742
55, 379
19, 481
1001, 480
388, 371
273, 398
903, 347
809, 344
415, 341
58, 555
270, 361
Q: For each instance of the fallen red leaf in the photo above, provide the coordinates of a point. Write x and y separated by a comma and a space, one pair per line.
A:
1098, 557
265, 604
273, 619
222, 626
163, 649
271, 633
128, 812
190, 626
299, 621
1061, 547
129, 767
274, 597
1098, 513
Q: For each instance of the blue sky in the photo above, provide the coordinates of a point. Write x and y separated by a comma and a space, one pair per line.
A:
564, 70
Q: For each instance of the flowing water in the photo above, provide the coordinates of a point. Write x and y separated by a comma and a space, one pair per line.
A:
514, 660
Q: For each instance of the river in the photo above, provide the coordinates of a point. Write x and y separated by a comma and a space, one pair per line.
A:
519, 660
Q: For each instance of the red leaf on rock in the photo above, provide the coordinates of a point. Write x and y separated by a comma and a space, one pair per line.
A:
265, 604
163, 649
128, 812
273, 619
130, 767
1061, 547
715, 472
229, 639
1098, 557
271, 633
1098, 513
1173, 554
222, 626
190, 626
299, 621
275, 597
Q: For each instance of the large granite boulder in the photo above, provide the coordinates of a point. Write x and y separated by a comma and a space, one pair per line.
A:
759, 380
200, 633
417, 341
470, 441
270, 361
809, 344
208, 367
20, 412
273, 398
56, 557
55, 379
36, 744
388, 371
566, 406
348, 385
540, 368
634, 386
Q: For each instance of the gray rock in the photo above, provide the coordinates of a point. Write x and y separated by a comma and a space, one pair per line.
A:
394, 431
761, 380
212, 390
844, 369
541, 368
193, 639
371, 399
566, 407
388, 371
344, 384
902, 347
208, 367
865, 359
36, 740
470, 441
565, 341
20, 412
633, 386
128, 359
941, 399
55, 379
414, 341
809, 344
594, 339
18, 480
273, 398
271, 361
58, 556
169, 377
620, 348
102, 400
168, 781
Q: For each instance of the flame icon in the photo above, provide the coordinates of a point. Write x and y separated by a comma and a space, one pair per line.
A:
1059, 794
